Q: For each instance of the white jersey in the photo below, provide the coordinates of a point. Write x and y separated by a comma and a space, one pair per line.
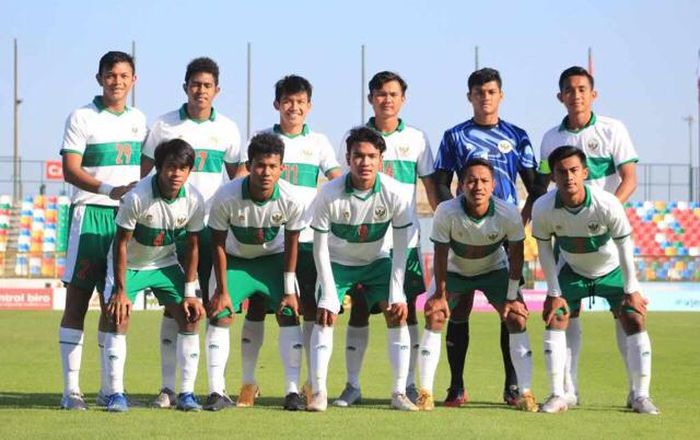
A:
605, 141
584, 236
357, 224
305, 155
255, 227
476, 244
158, 223
110, 146
215, 141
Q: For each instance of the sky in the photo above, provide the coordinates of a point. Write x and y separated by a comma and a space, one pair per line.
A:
645, 61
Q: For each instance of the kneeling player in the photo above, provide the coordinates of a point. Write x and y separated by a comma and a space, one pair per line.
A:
468, 233
596, 259
351, 217
256, 259
150, 219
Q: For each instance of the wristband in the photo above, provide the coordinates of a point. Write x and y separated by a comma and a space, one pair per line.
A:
513, 287
553, 293
105, 188
191, 289
290, 283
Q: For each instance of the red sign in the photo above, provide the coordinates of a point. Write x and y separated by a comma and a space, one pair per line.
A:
26, 299
54, 170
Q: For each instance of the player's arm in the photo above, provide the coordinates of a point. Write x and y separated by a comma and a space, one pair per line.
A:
431, 190
235, 170
628, 174
515, 272
328, 304
398, 307
74, 174
443, 181
333, 173
554, 300
119, 307
191, 305
437, 304
220, 299
290, 300
535, 189
147, 165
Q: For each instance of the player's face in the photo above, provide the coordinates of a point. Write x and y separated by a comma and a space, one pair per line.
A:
265, 171
293, 108
478, 185
172, 176
388, 100
577, 94
569, 175
485, 98
201, 90
365, 160
116, 83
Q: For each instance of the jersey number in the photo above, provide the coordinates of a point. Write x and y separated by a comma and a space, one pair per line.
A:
388, 169
158, 240
290, 173
123, 154
202, 156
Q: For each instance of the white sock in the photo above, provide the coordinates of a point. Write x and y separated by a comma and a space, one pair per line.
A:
188, 358
321, 350
290, 347
639, 358
307, 328
555, 359
103, 371
621, 338
430, 357
115, 359
521, 355
573, 352
399, 344
217, 343
413, 357
168, 352
71, 344
356, 341
252, 336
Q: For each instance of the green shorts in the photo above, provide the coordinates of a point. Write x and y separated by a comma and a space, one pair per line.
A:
370, 282
91, 230
166, 283
575, 287
494, 286
205, 259
306, 270
413, 281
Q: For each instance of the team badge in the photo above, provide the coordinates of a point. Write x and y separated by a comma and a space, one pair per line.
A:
307, 152
181, 220
379, 212
149, 218
346, 214
594, 227
277, 218
593, 144
404, 150
492, 236
505, 147
134, 129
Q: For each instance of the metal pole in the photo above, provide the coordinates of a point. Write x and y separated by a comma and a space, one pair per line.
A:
248, 92
689, 119
362, 87
476, 58
133, 88
16, 183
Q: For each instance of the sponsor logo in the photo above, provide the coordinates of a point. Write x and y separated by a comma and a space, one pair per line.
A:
505, 147
425, 353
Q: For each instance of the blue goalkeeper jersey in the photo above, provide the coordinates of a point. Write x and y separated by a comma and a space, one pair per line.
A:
506, 146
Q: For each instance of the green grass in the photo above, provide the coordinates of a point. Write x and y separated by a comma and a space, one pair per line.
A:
30, 387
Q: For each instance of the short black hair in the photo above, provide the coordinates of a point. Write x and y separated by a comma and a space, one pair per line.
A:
563, 152
476, 161
482, 76
113, 57
290, 85
383, 77
365, 134
179, 150
265, 144
202, 65
574, 71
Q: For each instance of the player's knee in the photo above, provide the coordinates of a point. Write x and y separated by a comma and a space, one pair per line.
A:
632, 322
287, 320
167, 314
435, 321
515, 323
221, 322
256, 309
412, 318
560, 321
359, 314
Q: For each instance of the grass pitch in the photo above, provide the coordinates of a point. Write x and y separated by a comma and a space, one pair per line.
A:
30, 387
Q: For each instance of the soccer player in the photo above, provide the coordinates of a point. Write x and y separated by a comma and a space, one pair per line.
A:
468, 233
101, 148
306, 153
157, 212
612, 163
257, 258
595, 259
216, 142
351, 217
407, 157
508, 149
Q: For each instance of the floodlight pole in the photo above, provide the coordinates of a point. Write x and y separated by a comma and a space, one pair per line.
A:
16, 178
248, 91
363, 110
133, 87
690, 120
476, 58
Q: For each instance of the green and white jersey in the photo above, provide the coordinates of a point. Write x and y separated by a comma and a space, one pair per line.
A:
158, 223
215, 141
305, 155
476, 244
605, 141
255, 228
358, 223
584, 235
110, 145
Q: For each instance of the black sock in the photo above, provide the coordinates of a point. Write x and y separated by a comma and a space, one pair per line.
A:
457, 343
511, 378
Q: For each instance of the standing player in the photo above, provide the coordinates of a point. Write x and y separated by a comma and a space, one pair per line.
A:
593, 233
216, 142
468, 232
157, 212
257, 259
351, 217
306, 153
101, 148
407, 157
508, 149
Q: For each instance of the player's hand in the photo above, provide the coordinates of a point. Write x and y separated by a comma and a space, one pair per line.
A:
218, 303
515, 306
119, 191
119, 308
289, 302
551, 305
193, 309
325, 318
435, 307
637, 302
398, 311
